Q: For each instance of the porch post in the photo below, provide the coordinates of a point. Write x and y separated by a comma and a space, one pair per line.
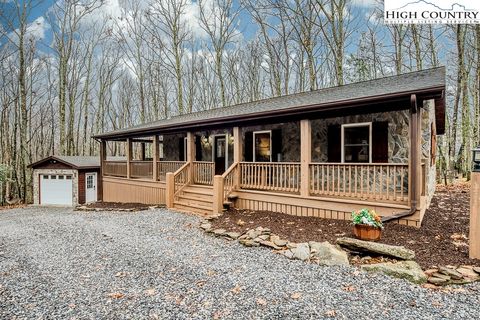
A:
305, 156
128, 152
190, 154
155, 158
237, 154
414, 162
237, 144
217, 194
103, 155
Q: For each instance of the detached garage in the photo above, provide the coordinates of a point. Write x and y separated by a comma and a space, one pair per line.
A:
66, 180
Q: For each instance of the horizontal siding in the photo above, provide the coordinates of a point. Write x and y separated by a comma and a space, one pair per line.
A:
138, 191
311, 207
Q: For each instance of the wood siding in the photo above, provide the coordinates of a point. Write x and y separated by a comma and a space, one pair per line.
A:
139, 191
315, 207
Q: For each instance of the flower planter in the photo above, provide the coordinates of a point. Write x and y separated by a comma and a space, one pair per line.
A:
366, 232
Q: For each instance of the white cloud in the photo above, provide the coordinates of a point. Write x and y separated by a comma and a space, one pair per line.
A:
364, 3
37, 28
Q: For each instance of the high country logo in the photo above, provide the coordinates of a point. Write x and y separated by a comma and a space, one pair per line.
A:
422, 11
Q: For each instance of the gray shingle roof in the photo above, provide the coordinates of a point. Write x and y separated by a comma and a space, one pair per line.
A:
408, 82
81, 161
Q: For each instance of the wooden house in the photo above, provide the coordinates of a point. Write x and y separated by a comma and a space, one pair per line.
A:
322, 153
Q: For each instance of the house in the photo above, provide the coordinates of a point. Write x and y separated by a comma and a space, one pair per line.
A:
321, 153
66, 180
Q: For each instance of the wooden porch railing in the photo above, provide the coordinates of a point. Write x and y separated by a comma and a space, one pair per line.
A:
230, 181
141, 169
383, 181
181, 178
274, 176
115, 168
167, 166
203, 172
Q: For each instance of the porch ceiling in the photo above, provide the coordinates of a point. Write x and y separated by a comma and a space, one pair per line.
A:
384, 94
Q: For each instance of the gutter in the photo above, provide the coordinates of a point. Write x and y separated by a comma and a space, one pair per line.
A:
413, 163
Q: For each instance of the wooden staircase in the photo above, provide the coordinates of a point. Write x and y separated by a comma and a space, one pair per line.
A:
195, 198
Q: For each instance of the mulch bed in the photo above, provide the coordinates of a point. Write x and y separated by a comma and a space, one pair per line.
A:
441, 240
118, 206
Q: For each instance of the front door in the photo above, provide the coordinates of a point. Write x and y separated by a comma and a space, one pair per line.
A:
220, 154
90, 187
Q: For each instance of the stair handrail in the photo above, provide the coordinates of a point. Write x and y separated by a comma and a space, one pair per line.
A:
181, 178
230, 180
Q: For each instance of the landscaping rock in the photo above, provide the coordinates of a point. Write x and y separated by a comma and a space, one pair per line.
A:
476, 269
399, 252
206, 226
450, 272
232, 235
288, 254
437, 281
219, 232
291, 245
252, 233
327, 254
467, 273
264, 237
408, 270
249, 243
301, 252
269, 244
280, 242
441, 276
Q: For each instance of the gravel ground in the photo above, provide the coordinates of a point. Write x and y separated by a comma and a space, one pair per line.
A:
55, 263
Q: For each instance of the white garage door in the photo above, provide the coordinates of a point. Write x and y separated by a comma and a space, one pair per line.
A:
56, 189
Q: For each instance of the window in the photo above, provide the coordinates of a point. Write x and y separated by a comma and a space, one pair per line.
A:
61, 177
68, 177
262, 148
89, 182
45, 176
160, 150
53, 177
357, 142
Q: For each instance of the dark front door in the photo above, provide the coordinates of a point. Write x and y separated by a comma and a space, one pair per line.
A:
220, 154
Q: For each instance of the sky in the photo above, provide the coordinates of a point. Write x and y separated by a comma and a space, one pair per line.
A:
246, 26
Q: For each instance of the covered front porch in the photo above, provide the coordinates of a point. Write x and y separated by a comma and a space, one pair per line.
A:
273, 167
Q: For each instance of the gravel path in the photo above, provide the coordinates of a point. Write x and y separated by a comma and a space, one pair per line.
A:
55, 263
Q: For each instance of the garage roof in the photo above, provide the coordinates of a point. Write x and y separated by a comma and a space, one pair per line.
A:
76, 162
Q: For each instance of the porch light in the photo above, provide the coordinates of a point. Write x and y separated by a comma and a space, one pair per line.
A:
476, 159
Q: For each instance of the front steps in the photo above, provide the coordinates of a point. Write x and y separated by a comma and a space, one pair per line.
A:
195, 198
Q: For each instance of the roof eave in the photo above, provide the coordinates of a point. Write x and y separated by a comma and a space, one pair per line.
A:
434, 92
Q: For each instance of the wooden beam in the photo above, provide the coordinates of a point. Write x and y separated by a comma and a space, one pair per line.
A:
170, 189
155, 157
217, 195
305, 156
103, 155
414, 162
190, 154
474, 232
237, 145
128, 153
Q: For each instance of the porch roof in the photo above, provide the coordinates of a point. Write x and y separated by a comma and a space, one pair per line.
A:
359, 97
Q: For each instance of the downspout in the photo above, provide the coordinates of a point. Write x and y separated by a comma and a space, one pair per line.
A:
414, 122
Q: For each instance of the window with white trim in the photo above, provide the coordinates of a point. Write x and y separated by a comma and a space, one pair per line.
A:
357, 142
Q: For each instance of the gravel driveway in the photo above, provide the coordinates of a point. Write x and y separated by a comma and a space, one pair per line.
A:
56, 263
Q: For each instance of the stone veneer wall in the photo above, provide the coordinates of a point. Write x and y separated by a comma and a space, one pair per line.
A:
206, 137
290, 138
36, 184
428, 119
398, 134
170, 146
